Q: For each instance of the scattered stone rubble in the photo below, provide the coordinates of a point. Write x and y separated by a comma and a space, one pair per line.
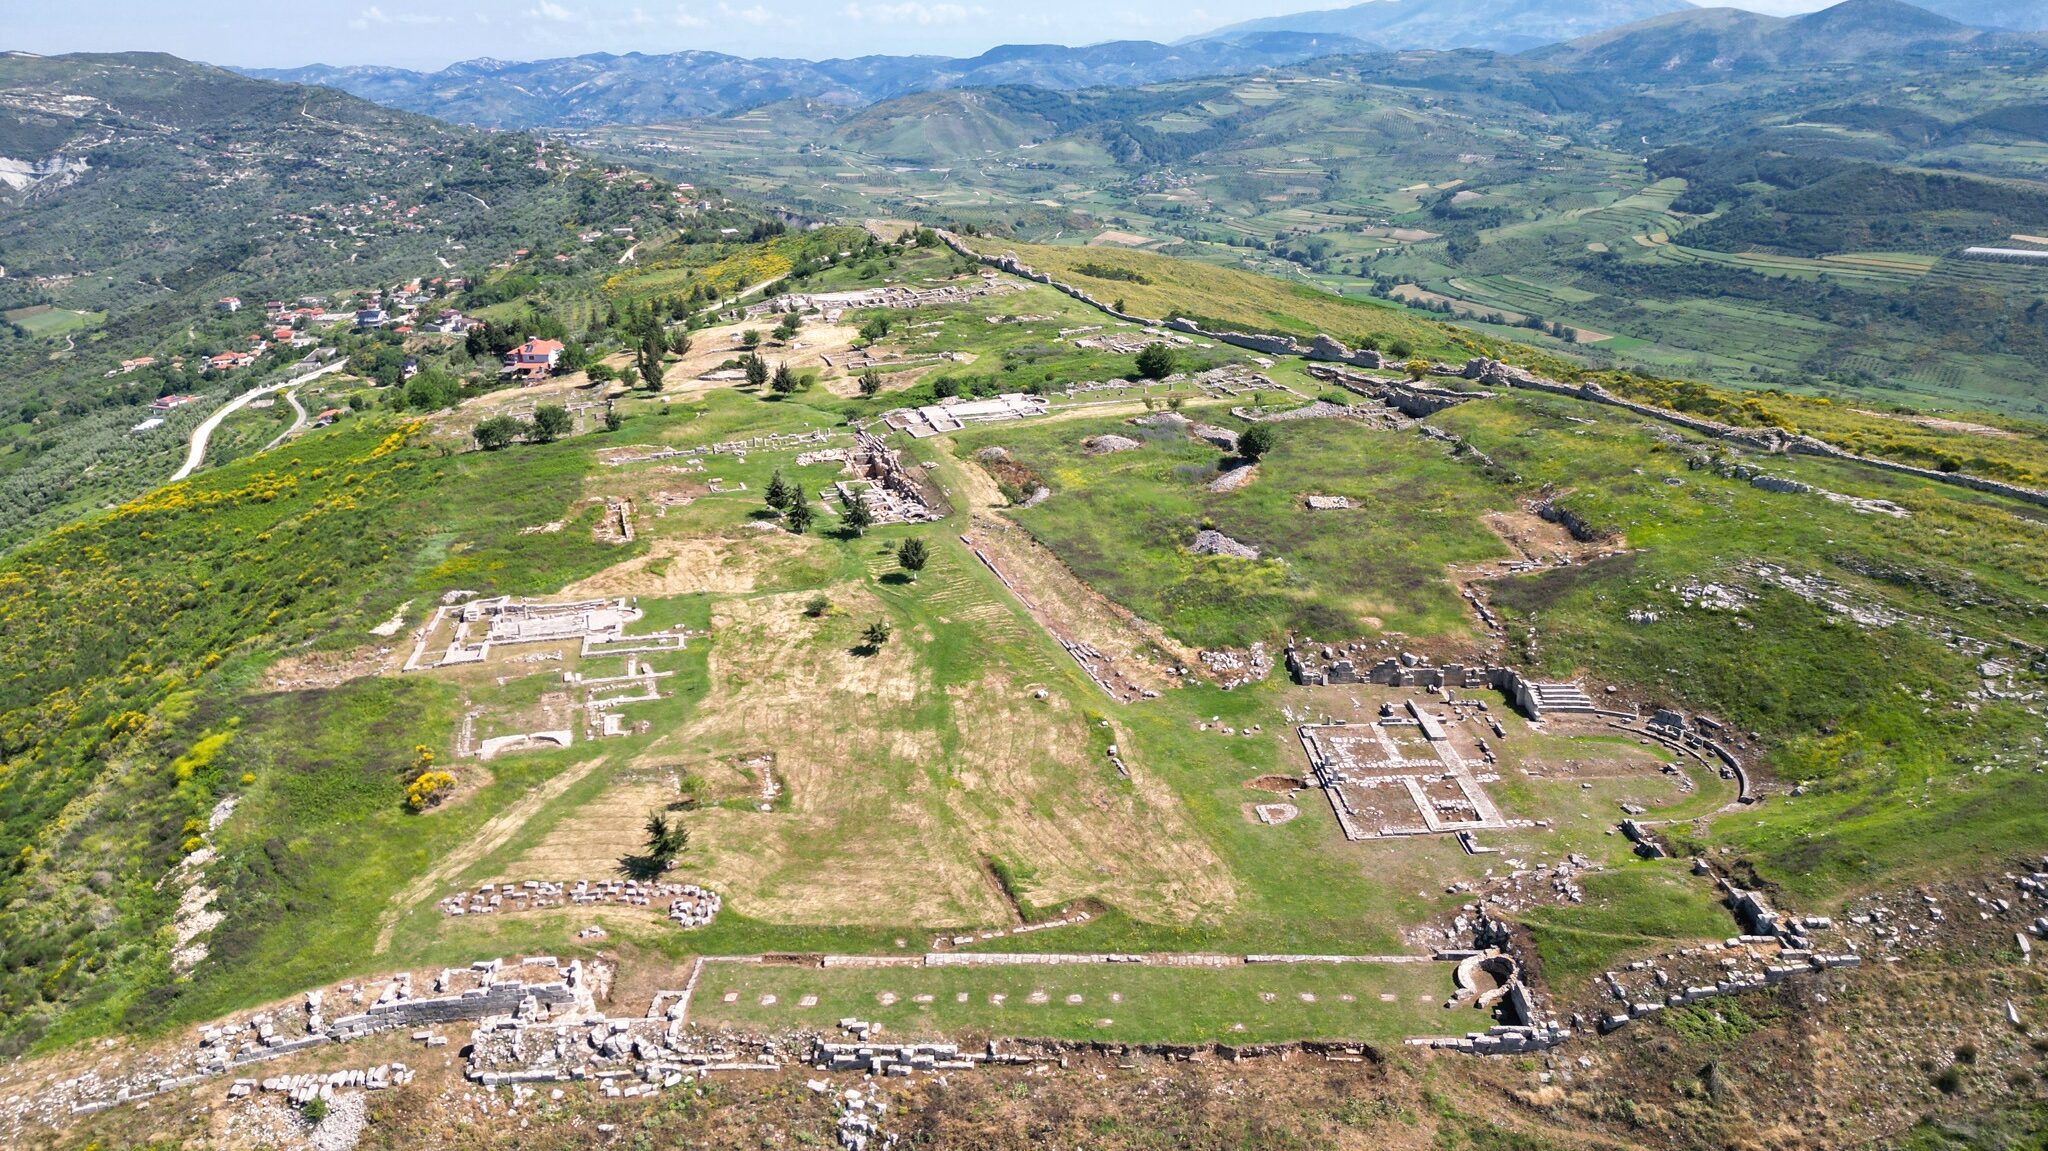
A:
1773, 947
1210, 542
833, 305
774, 442
1771, 483
688, 904
303, 1089
537, 987
1235, 669
1107, 444
860, 1115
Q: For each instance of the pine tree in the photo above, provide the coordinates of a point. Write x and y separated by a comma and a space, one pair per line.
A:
856, 518
911, 555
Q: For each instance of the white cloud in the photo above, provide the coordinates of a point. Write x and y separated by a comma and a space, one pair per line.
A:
756, 15
549, 10
684, 18
376, 15
912, 12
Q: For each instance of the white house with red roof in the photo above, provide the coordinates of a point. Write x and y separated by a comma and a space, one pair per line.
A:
533, 360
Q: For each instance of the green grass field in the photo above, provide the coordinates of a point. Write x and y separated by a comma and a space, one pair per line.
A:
1378, 1003
1124, 521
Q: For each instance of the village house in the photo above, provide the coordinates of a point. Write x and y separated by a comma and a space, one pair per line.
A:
533, 360
372, 317
449, 321
139, 362
169, 403
230, 304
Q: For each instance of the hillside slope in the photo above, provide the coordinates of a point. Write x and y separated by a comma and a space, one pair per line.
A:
1680, 46
164, 186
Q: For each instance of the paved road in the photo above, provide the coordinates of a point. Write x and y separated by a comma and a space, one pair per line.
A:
196, 454
291, 397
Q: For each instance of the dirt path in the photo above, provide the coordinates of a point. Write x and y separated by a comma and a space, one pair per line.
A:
488, 838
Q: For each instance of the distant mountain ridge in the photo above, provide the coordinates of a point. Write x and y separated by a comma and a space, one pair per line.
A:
1702, 41
637, 89
1497, 25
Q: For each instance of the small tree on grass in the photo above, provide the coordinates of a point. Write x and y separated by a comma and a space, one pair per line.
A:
750, 339
873, 636
870, 383
664, 842
1255, 441
855, 517
1155, 362
650, 348
817, 607
757, 370
497, 431
788, 327
679, 342
315, 1110
613, 421
799, 515
1416, 369
911, 555
551, 422
781, 493
785, 382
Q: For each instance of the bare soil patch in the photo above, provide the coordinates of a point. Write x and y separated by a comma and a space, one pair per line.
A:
817, 346
1277, 783
318, 670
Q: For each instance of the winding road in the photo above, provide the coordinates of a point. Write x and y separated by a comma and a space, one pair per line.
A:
196, 454
291, 397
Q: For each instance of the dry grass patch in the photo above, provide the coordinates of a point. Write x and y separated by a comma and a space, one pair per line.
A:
681, 566
901, 771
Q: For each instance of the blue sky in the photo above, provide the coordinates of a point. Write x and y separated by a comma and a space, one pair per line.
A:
434, 33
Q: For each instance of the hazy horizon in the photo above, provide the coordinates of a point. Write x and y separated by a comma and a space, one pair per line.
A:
419, 35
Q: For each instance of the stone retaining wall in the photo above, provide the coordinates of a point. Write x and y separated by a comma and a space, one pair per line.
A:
1503, 375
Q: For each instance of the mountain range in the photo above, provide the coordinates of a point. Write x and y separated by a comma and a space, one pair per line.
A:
1687, 44
638, 89
1648, 38
1497, 25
